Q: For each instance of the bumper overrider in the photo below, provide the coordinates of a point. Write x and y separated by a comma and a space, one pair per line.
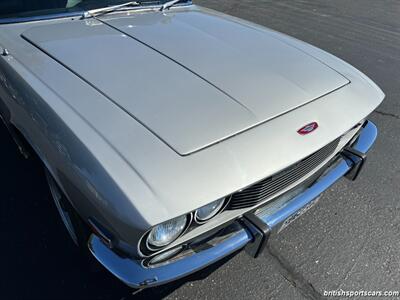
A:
251, 231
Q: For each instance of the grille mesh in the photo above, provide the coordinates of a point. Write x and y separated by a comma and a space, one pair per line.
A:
271, 186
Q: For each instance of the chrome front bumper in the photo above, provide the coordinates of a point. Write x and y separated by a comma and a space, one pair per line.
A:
250, 232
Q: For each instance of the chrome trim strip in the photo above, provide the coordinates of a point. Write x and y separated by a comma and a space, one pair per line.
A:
134, 274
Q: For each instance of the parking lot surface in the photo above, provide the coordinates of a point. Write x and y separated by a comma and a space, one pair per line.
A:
349, 241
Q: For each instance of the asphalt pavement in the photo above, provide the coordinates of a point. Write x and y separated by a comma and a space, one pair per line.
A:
349, 241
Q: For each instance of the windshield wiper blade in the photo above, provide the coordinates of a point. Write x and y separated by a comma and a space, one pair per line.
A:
108, 9
169, 4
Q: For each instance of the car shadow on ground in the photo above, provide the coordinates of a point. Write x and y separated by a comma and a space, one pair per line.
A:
38, 259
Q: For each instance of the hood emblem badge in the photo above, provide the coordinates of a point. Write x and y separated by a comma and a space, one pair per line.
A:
306, 129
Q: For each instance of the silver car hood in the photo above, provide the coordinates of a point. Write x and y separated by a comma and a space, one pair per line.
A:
192, 78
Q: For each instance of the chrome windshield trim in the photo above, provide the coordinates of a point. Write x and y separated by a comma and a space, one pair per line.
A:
79, 13
40, 17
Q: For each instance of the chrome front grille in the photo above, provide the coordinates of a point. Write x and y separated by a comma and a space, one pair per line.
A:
271, 186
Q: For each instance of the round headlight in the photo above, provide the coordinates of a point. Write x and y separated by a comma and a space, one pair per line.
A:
165, 233
210, 210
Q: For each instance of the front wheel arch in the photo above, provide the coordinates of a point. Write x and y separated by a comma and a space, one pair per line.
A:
76, 227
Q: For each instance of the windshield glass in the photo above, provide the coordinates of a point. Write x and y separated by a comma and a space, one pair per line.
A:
16, 9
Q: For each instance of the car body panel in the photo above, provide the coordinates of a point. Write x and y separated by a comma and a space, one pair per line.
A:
98, 53
240, 83
115, 169
250, 65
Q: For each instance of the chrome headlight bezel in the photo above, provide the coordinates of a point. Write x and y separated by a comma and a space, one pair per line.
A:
214, 212
146, 249
153, 247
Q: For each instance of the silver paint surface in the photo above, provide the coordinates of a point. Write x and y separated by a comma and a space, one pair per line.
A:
122, 116
241, 81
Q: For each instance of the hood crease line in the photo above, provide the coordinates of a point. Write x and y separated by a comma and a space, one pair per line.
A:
182, 65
